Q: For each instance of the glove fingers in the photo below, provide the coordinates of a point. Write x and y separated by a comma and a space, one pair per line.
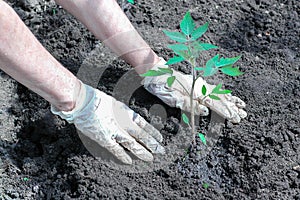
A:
236, 100
226, 109
242, 113
147, 135
183, 102
119, 152
128, 119
133, 146
148, 128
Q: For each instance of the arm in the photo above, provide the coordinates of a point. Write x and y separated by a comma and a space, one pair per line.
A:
106, 20
93, 112
27, 61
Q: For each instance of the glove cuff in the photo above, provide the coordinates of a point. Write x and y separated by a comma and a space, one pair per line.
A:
160, 63
85, 96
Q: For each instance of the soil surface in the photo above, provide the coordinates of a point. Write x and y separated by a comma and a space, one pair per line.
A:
42, 157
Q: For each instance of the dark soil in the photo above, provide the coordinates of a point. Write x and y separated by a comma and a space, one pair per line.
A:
42, 156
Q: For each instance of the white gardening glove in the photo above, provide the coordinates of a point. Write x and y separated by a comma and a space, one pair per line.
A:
229, 107
113, 125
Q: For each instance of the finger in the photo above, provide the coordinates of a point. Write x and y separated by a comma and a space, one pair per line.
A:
119, 152
183, 102
224, 108
143, 132
236, 100
235, 118
242, 113
200, 109
239, 102
133, 146
148, 128
147, 140
127, 118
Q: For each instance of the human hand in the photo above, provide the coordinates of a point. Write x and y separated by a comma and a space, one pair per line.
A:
230, 107
113, 126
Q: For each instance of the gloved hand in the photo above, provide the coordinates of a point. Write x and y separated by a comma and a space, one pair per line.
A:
230, 107
113, 125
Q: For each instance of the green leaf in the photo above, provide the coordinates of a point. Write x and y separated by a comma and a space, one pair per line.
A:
223, 92
175, 59
183, 54
177, 36
130, 1
231, 71
210, 68
166, 70
199, 68
227, 61
214, 97
210, 71
185, 119
207, 46
199, 31
204, 90
153, 73
187, 25
171, 80
217, 88
178, 47
202, 138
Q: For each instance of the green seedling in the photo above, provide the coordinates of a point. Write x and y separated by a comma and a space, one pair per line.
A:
188, 48
130, 1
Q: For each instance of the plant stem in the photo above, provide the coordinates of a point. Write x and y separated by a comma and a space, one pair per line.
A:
192, 105
194, 75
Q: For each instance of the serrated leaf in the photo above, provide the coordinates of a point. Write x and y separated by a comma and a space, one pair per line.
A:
166, 70
231, 71
217, 88
187, 25
153, 73
171, 80
227, 61
178, 47
202, 138
130, 1
175, 59
204, 90
176, 36
185, 119
214, 97
199, 31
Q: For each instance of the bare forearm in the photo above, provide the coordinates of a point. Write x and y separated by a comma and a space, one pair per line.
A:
106, 20
27, 61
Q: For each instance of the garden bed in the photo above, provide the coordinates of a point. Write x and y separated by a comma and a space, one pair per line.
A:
42, 156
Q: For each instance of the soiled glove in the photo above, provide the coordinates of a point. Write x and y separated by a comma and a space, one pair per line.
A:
113, 125
229, 107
